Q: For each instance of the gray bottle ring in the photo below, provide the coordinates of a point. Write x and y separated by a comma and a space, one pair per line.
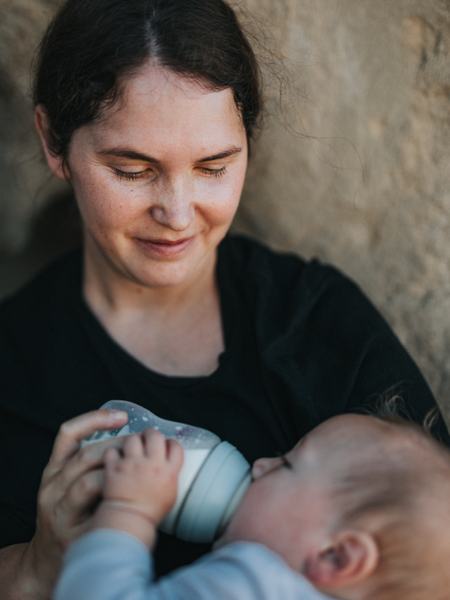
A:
213, 495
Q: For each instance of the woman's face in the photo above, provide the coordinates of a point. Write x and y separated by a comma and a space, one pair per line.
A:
158, 179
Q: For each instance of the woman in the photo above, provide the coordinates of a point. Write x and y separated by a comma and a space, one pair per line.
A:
148, 109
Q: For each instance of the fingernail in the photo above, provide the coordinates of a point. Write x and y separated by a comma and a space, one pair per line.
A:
117, 415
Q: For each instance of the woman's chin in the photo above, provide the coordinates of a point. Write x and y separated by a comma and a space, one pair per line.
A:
160, 276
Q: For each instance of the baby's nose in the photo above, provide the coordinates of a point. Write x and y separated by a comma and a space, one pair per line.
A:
262, 466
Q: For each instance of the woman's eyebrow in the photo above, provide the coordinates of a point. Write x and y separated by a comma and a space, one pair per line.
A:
225, 154
123, 152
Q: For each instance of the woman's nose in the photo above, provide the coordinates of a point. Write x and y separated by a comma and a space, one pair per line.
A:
174, 208
263, 465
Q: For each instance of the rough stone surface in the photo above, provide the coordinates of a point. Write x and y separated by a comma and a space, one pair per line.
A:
25, 183
352, 166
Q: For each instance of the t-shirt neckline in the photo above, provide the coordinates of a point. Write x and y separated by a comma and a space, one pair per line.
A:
228, 326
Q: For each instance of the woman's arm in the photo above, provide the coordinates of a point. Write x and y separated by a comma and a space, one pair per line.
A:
384, 370
349, 358
24, 574
17, 578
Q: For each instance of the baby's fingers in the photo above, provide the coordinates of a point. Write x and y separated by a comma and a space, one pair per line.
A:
133, 447
111, 459
154, 443
175, 454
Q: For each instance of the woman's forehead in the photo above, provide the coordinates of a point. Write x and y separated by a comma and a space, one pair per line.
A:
160, 99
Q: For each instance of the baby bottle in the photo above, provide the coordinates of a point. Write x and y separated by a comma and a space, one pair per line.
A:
212, 481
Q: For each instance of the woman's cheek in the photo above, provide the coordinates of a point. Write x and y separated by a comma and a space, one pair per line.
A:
223, 204
111, 208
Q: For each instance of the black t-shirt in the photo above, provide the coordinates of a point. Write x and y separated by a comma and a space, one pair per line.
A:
302, 344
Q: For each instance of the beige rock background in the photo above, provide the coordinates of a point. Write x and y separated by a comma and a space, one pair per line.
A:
353, 165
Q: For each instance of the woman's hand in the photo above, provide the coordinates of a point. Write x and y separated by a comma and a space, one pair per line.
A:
71, 484
140, 485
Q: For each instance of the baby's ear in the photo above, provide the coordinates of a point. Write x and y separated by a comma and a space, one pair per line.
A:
350, 558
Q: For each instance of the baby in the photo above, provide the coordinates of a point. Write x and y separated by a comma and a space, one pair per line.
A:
358, 509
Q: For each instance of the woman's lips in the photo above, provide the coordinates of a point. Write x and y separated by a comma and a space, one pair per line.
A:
164, 248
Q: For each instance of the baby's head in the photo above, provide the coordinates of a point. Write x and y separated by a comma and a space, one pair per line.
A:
360, 506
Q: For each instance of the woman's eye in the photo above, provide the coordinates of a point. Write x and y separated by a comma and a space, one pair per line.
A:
129, 175
132, 176
214, 172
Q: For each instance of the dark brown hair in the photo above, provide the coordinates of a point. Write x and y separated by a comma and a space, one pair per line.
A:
92, 45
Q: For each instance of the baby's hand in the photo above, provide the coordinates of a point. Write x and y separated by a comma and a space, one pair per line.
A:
140, 485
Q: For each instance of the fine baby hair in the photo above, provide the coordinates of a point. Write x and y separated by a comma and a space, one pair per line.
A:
396, 487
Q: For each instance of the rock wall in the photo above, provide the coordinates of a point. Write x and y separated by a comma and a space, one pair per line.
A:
352, 166
25, 183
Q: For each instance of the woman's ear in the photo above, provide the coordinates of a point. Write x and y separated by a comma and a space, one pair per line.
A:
350, 558
54, 162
